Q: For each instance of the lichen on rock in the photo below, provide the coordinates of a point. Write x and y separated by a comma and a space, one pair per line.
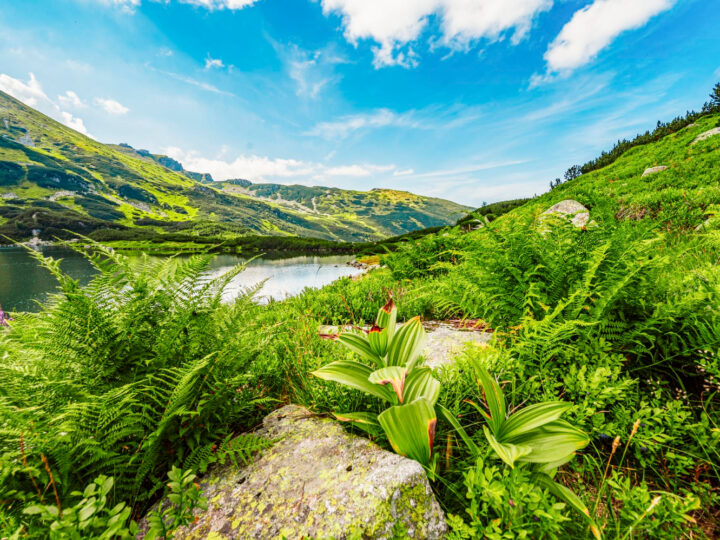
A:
578, 214
317, 481
653, 170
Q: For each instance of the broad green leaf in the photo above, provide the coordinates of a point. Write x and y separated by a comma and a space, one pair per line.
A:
532, 417
394, 375
359, 344
566, 495
364, 420
357, 417
421, 384
411, 429
509, 453
378, 339
450, 417
407, 344
387, 318
355, 375
493, 396
552, 442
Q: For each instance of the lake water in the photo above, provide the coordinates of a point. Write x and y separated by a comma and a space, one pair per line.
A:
23, 283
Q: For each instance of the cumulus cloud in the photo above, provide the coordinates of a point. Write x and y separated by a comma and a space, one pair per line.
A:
73, 122
111, 106
264, 169
213, 63
29, 92
71, 99
594, 27
32, 94
394, 24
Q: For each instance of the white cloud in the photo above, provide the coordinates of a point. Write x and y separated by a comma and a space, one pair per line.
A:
213, 63
111, 106
263, 169
130, 5
71, 99
404, 172
594, 27
220, 4
393, 24
345, 125
30, 93
194, 82
356, 170
73, 122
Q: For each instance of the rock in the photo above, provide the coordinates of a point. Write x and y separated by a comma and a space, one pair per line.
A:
653, 170
317, 481
445, 341
571, 209
26, 140
707, 135
709, 223
9, 195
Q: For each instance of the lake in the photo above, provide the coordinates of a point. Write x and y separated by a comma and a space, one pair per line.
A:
23, 283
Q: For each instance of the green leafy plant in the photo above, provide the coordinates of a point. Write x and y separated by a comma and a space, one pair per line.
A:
183, 497
90, 517
392, 374
534, 436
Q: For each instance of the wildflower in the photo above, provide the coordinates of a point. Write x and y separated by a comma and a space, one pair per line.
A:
4, 318
636, 425
511, 503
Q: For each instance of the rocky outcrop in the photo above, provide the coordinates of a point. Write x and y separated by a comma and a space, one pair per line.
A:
317, 481
445, 341
578, 215
707, 135
653, 170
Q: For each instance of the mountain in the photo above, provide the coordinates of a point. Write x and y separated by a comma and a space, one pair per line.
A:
54, 179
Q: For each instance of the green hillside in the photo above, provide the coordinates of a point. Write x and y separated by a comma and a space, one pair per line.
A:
53, 179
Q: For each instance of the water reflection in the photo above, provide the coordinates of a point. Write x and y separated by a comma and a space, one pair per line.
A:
24, 283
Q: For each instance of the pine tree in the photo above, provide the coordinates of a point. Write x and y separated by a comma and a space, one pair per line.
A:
715, 96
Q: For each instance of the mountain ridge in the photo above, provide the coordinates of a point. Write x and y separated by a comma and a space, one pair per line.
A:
54, 180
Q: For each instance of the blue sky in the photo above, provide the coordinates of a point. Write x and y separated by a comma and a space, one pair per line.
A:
470, 100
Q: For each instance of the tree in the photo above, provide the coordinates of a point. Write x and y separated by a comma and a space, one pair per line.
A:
715, 96
572, 173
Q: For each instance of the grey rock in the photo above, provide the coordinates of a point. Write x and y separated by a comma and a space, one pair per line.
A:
578, 215
316, 481
653, 170
445, 342
707, 135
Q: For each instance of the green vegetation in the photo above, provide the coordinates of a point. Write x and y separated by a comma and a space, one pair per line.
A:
59, 181
592, 411
409, 423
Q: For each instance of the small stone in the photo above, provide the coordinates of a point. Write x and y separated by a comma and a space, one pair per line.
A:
653, 170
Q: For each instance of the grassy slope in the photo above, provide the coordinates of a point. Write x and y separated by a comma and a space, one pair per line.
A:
118, 187
680, 197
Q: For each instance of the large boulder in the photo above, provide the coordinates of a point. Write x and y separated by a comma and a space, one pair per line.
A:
707, 135
578, 215
316, 481
653, 170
